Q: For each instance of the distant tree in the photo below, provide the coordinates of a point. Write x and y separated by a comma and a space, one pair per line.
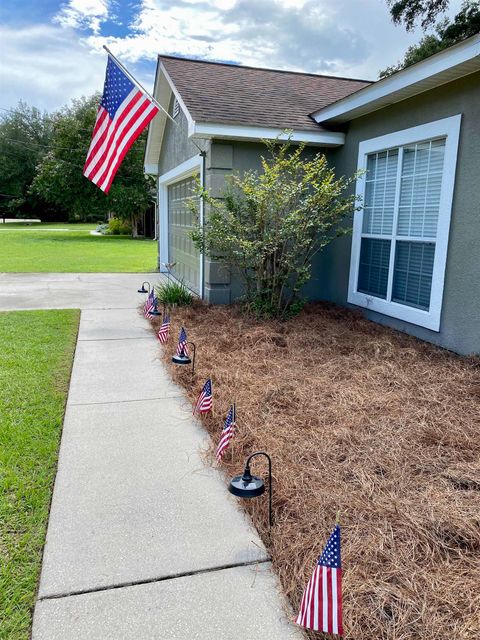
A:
25, 136
409, 12
466, 23
59, 177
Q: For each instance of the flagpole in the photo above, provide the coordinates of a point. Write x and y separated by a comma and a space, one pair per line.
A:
137, 84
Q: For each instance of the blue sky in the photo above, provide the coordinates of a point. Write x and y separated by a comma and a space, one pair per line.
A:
51, 51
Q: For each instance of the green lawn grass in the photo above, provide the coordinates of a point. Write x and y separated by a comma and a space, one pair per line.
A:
36, 353
38, 248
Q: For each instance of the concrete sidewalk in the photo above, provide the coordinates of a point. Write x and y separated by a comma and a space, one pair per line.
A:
144, 542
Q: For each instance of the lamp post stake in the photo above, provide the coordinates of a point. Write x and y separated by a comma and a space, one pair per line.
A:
193, 359
247, 469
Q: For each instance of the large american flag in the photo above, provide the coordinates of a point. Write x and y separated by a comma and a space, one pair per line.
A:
228, 432
124, 112
321, 607
164, 330
205, 400
182, 346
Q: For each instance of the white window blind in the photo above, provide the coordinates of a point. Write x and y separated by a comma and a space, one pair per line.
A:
400, 219
380, 192
420, 189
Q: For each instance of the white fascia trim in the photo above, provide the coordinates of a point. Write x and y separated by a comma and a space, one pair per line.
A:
181, 171
150, 169
449, 127
190, 120
149, 134
244, 132
442, 61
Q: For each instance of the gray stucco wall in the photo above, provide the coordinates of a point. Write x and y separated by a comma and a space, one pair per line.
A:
460, 319
223, 158
460, 326
176, 147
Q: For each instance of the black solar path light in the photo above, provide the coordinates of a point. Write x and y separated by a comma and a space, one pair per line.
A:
155, 311
143, 290
183, 358
248, 486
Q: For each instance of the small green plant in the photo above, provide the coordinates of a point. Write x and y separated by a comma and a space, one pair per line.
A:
119, 227
174, 293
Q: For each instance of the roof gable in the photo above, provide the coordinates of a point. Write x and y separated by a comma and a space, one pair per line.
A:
238, 95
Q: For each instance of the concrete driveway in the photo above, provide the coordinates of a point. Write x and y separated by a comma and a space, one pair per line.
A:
72, 290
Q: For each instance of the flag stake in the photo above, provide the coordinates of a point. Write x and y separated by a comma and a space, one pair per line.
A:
138, 85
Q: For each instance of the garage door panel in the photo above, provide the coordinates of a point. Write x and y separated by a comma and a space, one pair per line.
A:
182, 251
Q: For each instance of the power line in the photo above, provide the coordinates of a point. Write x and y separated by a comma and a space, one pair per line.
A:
47, 146
72, 164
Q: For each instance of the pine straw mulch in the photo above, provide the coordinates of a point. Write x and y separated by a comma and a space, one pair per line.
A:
367, 421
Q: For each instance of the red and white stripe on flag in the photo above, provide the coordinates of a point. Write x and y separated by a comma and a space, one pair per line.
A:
321, 606
228, 432
123, 114
205, 399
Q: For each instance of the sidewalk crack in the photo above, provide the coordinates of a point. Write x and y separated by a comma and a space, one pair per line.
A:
135, 583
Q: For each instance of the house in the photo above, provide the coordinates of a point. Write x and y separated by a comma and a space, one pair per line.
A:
413, 259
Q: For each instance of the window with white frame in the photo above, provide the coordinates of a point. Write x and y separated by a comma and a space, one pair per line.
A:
400, 237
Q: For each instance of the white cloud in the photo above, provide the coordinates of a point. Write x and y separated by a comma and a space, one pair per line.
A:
47, 66
346, 37
83, 14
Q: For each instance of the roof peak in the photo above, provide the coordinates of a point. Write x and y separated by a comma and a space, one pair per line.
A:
268, 69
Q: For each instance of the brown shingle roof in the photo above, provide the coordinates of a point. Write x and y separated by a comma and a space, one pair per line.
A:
232, 94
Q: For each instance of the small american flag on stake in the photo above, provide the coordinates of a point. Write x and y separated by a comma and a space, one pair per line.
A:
205, 400
321, 606
182, 346
228, 432
148, 306
164, 330
152, 306
124, 111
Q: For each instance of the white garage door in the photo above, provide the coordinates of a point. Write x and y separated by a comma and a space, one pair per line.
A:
181, 249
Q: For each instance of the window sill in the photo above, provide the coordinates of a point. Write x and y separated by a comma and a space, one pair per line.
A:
418, 317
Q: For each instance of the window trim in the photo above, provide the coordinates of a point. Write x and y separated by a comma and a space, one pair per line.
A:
450, 129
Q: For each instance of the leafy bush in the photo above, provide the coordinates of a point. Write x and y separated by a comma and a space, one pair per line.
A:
119, 227
270, 224
174, 293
